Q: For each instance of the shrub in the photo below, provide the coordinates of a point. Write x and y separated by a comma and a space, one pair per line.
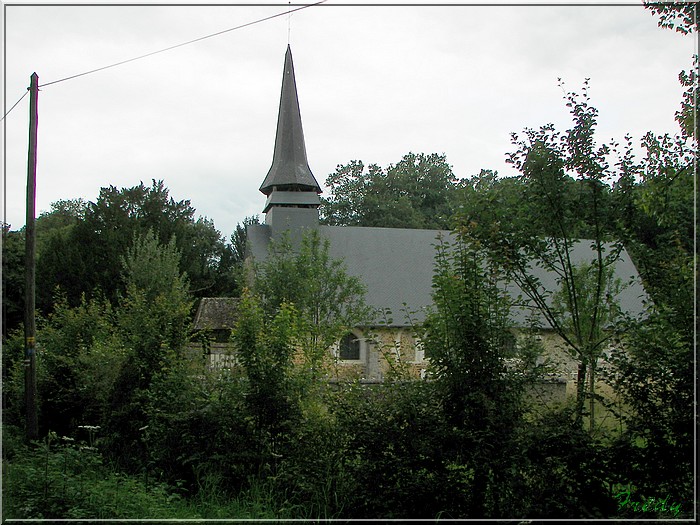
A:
63, 478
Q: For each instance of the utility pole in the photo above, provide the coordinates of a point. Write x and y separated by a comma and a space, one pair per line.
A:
32, 420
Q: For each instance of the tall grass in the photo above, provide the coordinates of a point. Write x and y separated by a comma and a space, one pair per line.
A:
60, 478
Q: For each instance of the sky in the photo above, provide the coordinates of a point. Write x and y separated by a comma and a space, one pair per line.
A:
375, 82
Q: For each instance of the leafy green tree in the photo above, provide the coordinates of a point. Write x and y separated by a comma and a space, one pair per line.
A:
466, 341
239, 239
689, 105
63, 214
565, 198
562, 470
386, 456
653, 369
654, 199
51, 229
302, 302
153, 324
79, 358
154, 315
239, 243
680, 16
328, 301
656, 219
414, 193
653, 366
86, 257
13, 278
266, 346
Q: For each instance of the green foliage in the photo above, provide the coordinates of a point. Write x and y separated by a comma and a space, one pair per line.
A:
686, 115
13, 280
653, 370
466, 333
153, 325
390, 463
565, 197
466, 341
562, 471
154, 315
239, 239
414, 193
311, 473
13, 372
79, 356
327, 300
274, 437
63, 215
63, 478
655, 199
84, 256
595, 312
265, 347
680, 16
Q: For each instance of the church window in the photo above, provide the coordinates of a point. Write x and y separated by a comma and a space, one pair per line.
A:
349, 348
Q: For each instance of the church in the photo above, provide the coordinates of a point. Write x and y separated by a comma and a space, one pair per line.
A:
394, 264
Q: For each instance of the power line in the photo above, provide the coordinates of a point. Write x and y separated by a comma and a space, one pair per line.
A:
14, 105
288, 12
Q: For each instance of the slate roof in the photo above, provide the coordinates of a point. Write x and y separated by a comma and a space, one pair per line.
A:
216, 313
396, 265
290, 168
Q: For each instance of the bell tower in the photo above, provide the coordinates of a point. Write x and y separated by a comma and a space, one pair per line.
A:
291, 189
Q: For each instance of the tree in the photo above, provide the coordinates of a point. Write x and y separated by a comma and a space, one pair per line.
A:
655, 204
653, 366
417, 192
13, 280
153, 325
85, 258
328, 301
466, 341
679, 15
653, 369
79, 357
564, 199
265, 346
154, 314
239, 239
301, 303
239, 245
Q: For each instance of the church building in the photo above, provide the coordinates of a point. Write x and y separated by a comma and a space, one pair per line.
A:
395, 265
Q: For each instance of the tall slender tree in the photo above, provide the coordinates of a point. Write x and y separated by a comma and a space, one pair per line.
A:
564, 199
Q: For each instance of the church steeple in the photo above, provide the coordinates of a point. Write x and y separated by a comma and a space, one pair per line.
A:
290, 170
291, 189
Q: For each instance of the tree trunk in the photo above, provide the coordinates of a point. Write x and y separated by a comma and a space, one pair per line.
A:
581, 391
591, 393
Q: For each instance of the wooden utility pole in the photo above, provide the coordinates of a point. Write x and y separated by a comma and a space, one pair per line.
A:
32, 419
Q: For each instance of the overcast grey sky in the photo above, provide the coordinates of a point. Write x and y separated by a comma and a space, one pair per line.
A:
374, 83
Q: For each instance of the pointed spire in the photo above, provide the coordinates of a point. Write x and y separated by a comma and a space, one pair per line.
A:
290, 169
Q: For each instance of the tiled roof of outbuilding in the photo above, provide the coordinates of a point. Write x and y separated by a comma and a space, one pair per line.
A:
216, 313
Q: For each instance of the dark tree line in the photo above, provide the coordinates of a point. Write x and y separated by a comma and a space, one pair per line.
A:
80, 246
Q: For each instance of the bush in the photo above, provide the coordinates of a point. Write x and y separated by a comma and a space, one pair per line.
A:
63, 478
563, 471
391, 451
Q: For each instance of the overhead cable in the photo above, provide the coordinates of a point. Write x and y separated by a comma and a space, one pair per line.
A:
14, 105
182, 44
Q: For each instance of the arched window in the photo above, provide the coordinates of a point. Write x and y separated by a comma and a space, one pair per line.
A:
349, 348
